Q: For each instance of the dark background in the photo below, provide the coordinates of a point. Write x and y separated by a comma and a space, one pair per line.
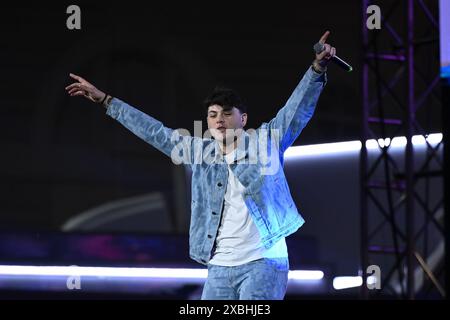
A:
62, 155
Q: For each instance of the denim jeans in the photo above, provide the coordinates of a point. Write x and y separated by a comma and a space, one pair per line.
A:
262, 279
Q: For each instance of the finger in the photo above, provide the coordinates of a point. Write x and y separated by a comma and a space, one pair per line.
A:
74, 76
333, 52
74, 90
321, 55
78, 78
324, 37
84, 87
80, 87
72, 86
325, 53
77, 93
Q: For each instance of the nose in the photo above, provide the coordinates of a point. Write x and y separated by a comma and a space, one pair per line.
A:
220, 118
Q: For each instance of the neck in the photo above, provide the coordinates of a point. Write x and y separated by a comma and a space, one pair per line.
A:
229, 147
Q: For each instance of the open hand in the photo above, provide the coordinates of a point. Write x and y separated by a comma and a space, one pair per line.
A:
85, 89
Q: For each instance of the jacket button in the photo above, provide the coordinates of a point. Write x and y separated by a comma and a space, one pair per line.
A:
219, 184
214, 213
209, 236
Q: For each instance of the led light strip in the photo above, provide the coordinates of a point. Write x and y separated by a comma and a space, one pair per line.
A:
340, 283
352, 146
174, 273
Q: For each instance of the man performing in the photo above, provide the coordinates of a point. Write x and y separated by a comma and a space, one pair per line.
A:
241, 211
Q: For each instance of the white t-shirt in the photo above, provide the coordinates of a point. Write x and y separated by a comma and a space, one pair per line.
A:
238, 240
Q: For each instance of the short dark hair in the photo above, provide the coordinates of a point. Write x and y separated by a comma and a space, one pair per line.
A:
226, 98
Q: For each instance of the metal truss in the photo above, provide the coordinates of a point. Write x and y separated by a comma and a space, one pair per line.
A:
402, 228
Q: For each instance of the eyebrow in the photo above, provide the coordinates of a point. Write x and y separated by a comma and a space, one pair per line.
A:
224, 111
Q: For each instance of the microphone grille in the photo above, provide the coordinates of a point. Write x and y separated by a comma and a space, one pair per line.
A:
318, 47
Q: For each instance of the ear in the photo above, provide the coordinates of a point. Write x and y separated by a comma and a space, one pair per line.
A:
244, 119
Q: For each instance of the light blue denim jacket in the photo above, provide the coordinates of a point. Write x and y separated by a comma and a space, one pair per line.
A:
267, 193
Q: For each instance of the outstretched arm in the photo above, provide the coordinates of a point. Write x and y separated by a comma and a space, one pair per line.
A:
298, 110
142, 125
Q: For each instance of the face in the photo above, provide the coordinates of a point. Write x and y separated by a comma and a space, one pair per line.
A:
225, 125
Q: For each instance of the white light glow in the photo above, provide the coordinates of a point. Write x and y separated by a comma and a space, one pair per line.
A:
321, 149
305, 275
174, 273
355, 146
340, 283
179, 273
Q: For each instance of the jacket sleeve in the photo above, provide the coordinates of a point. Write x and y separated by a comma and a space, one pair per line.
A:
151, 130
298, 110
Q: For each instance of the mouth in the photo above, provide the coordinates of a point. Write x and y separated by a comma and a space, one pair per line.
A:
221, 129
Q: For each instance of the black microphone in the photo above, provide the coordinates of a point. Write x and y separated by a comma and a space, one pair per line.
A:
319, 47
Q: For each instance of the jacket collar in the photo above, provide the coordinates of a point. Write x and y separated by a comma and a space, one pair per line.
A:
239, 154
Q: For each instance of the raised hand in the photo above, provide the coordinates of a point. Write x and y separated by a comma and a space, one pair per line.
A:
85, 89
324, 57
